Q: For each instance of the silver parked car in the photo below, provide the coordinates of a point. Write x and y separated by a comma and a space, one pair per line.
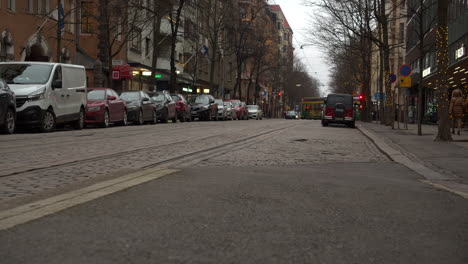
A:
255, 112
230, 111
222, 112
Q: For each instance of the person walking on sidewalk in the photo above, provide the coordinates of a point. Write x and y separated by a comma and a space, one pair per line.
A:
457, 108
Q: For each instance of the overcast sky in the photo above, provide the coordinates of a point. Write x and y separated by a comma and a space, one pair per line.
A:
299, 17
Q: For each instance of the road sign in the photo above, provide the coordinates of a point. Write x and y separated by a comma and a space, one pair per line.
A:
377, 96
405, 82
392, 78
117, 62
405, 70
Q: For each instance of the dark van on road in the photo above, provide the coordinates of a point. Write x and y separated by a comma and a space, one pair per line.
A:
338, 108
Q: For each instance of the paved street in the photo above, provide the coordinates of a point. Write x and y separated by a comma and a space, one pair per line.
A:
270, 191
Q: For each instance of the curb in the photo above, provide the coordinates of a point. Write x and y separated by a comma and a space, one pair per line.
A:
430, 176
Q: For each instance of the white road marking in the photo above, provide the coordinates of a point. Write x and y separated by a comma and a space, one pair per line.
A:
32, 211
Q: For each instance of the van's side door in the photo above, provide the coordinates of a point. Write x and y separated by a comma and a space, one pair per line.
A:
59, 95
74, 82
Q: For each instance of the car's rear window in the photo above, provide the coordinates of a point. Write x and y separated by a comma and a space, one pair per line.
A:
332, 100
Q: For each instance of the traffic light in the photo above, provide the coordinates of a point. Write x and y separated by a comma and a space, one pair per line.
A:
361, 97
280, 94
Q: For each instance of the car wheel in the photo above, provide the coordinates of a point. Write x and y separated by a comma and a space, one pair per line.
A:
47, 122
106, 119
352, 125
9, 122
140, 120
324, 123
155, 118
79, 124
124, 121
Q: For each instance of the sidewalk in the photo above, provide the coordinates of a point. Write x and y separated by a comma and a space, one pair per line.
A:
447, 158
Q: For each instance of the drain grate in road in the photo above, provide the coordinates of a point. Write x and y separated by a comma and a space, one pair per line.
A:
300, 140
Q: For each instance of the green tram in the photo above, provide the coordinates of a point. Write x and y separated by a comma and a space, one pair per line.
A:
312, 107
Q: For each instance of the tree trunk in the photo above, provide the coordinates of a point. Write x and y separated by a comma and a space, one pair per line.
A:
421, 60
443, 133
103, 40
386, 51
156, 40
175, 31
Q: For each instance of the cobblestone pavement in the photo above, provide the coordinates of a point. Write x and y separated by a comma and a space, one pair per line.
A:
36, 163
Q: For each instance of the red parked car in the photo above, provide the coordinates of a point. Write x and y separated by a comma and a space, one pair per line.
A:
105, 107
240, 108
182, 108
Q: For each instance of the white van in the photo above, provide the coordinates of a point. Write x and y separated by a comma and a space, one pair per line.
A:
47, 94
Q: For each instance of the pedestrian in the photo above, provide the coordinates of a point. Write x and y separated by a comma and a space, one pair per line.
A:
411, 114
457, 109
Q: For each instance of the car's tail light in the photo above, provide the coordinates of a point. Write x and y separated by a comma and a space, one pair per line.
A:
349, 112
329, 111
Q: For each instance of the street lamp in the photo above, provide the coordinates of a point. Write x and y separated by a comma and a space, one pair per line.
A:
298, 85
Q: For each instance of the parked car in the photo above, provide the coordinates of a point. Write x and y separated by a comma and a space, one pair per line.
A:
203, 107
47, 94
165, 106
255, 112
339, 108
231, 112
182, 108
291, 115
222, 111
7, 109
105, 107
241, 109
140, 109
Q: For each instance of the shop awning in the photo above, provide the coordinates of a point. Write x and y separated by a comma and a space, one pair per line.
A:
123, 71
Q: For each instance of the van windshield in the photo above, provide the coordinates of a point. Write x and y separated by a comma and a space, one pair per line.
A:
25, 73
346, 100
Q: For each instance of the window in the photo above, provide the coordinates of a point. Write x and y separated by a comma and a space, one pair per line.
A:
57, 76
71, 24
402, 32
11, 5
86, 16
147, 46
135, 42
30, 6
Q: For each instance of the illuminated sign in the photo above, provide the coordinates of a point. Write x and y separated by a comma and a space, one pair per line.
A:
146, 73
426, 72
460, 52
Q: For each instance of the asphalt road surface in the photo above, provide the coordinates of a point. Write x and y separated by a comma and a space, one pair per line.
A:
270, 191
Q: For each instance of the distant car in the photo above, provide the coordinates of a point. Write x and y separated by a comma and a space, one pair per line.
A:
165, 106
140, 109
231, 112
255, 112
292, 115
7, 109
105, 107
182, 108
203, 107
241, 110
222, 111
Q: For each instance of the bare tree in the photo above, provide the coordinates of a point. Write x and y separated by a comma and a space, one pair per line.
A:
175, 17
